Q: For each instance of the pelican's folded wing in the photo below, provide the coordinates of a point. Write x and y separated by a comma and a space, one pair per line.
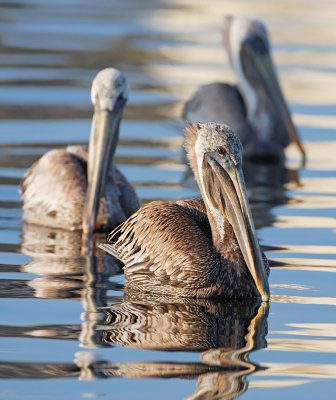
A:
53, 190
166, 243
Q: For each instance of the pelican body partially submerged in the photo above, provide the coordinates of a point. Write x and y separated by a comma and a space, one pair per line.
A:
197, 248
255, 108
79, 187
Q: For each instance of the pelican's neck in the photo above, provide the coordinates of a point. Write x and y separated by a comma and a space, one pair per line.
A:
223, 237
246, 89
257, 109
218, 227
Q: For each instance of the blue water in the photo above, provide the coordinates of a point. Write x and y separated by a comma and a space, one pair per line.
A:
53, 343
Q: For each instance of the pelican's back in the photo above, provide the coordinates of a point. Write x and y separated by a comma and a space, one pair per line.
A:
53, 190
221, 103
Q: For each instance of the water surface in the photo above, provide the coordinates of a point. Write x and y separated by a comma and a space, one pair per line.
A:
54, 340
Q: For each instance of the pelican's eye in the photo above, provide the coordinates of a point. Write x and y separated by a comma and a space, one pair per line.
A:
221, 151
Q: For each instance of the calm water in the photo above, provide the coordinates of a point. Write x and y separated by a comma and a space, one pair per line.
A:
55, 341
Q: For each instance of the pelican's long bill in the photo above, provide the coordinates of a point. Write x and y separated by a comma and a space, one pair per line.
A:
103, 141
232, 198
262, 65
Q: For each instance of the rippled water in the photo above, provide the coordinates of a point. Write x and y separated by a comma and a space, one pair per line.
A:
55, 341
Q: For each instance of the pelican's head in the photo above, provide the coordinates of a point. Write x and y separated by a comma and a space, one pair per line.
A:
109, 94
109, 87
215, 154
248, 48
240, 31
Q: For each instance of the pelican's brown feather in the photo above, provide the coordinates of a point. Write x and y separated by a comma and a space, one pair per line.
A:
153, 248
54, 188
57, 178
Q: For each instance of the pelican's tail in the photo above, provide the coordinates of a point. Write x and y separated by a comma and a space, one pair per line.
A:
110, 248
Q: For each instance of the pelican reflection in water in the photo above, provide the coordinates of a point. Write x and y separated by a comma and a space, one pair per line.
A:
223, 333
78, 187
255, 108
197, 248
64, 273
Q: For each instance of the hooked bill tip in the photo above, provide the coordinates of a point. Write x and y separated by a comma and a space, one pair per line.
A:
265, 297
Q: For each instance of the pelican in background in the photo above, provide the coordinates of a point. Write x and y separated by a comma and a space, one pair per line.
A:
255, 108
197, 248
80, 188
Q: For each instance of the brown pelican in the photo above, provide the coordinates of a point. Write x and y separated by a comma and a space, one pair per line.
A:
255, 108
78, 187
196, 248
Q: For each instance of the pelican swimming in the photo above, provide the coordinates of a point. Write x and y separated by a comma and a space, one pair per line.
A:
78, 187
255, 108
197, 248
